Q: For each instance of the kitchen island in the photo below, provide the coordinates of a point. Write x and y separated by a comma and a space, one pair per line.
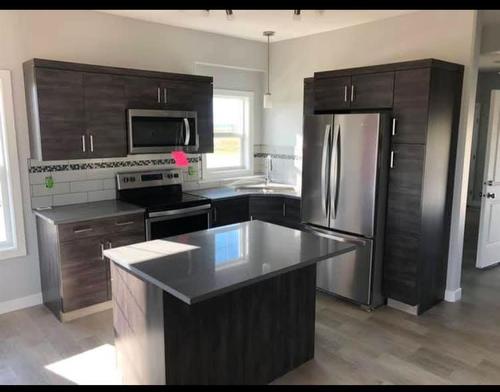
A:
229, 305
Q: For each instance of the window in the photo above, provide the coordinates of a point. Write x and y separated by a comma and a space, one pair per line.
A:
12, 240
233, 121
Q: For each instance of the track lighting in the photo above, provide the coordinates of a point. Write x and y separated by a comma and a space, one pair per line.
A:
296, 14
229, 14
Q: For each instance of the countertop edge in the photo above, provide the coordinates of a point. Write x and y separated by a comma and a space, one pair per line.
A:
41, 215
195, 300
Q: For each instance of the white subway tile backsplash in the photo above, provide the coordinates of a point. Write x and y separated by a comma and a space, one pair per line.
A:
41, 201
96, 174
42, 190
107, 194
109, 183
71, 175
38, 178
70, 198
86, 186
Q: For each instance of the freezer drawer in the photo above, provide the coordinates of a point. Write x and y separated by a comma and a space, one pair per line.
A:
348, 275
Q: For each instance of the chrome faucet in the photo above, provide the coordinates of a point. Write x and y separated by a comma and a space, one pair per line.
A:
269, 168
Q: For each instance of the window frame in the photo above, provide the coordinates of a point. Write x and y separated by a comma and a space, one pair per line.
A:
12, 173
247, 141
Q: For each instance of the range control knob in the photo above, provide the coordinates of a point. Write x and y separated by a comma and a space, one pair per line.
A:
169, 175
176, 175
125, 179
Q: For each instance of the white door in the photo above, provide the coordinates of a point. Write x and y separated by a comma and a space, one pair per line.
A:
488, 247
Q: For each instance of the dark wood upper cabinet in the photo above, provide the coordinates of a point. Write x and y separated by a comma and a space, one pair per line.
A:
105, 115
143, 93
332, 94
78, 111
411, 105
57, 120
372, 91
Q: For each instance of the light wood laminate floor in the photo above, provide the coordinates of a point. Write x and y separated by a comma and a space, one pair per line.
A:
453, 343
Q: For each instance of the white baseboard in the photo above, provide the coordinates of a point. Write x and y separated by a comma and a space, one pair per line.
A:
20, 303
453, 295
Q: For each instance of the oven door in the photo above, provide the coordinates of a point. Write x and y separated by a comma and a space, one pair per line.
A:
151, 131
164, 224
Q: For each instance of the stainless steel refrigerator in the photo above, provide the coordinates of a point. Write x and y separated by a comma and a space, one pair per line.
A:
344, 190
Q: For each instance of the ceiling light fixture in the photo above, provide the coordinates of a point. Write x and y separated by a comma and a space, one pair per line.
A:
296, 14
267, 96
229, 14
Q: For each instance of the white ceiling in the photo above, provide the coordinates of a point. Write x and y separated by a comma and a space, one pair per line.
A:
250, 24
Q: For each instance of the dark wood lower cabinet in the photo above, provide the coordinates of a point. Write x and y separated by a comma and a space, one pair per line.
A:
74, 273
228, 211
251, 335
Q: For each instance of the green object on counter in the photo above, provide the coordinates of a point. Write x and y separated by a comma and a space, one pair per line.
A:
49, 182
191, 171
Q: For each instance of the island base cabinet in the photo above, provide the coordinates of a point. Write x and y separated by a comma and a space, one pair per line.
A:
251, 335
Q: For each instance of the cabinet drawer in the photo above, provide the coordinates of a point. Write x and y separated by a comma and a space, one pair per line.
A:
403, 223
85, 229
226, 212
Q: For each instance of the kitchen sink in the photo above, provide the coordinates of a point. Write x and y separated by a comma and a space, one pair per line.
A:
260, 184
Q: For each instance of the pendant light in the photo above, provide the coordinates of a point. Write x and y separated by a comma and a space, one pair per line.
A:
267, 96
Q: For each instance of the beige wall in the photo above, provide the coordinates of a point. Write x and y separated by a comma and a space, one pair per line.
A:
96, 38
446, 35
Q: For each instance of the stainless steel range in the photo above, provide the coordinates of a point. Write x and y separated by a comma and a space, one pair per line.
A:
169, 211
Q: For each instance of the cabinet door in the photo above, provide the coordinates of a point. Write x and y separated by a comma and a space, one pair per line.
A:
105, 107
403, 224
411, 103
226, 212
61, 114
115, 241
372, 91
193, 96
143, 93
332, 94
84, 273
292, 209
267, 208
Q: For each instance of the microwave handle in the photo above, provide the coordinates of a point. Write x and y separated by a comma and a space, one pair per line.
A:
188, 132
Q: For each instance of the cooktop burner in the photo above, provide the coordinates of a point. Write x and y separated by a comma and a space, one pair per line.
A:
156, 191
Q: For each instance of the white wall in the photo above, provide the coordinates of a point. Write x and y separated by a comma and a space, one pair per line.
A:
95, 38
446, 35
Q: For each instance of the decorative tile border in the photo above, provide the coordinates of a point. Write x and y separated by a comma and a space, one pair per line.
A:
105, 165
276, 156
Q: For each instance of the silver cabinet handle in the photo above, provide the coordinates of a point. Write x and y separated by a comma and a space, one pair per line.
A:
352, 92
91, 143
215, 214
284, 208
78, 231
124, 223
83, 143
102, 252
188, 132
392, 160
394, 126
345, 93
158, 96
165, 95
110, 245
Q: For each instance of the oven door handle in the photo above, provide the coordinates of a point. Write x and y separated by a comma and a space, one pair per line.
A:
180, 211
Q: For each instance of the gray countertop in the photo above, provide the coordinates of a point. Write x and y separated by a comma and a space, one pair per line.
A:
225, 192
197, 266
87, 211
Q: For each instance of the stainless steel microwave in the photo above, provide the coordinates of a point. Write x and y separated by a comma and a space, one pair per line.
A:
152, 131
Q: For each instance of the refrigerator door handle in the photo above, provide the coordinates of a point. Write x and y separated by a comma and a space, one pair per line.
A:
325, 165
335, 182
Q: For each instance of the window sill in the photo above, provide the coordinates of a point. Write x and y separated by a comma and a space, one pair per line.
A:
11, 253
